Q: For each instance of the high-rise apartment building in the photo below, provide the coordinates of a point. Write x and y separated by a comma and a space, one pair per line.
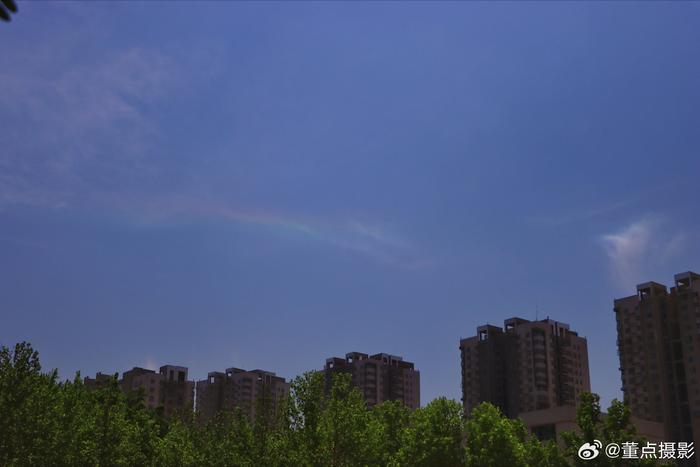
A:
176, 391
148, 380
210, 395
523, 367
659, 346
100, 380
237, 388
379, 377
169, 388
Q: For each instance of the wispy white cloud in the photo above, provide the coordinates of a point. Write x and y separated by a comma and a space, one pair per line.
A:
377, 234
588, 214
584, 214
75, 125
375, 240
626, 250
638, 249
84, 132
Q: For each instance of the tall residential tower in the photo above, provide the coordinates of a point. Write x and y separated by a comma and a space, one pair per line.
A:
525, 366
379, 377
237, 388
659, 346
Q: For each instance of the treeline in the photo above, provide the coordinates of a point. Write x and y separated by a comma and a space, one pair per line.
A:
46, 422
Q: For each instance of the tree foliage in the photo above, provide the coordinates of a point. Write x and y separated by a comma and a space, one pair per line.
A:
494, 440
616, 427
47, 422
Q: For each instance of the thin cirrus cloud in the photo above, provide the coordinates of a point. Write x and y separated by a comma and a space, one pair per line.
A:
369, 239
354, 236
76, 126
83, 135
636, 251
587, 214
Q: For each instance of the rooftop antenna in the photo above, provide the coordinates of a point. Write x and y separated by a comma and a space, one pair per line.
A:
537, 311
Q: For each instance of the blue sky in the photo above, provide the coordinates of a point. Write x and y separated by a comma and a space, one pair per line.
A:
265, 185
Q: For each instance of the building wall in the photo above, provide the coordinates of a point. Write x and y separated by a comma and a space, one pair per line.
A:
168, 389
237, 388
148, 380
524, 366
99, 381
210, 394
176, 391
659, 349
551, 423
484, 369
379, 377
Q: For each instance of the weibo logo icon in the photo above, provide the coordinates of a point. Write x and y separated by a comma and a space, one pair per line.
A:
590, 451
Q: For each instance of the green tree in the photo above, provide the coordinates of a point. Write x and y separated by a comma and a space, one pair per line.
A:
265, 423
74, 440
28, 401
298, 436
434, 436
141, 427
493, 440
124, 432
388, 421
180, 446
343, 426
544, 453
45, 422
229, 439
616, 427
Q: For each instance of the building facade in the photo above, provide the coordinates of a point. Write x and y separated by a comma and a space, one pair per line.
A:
100, 380
237, 388
379, 377
550, 424
169, 388
523, 367
147, 380
659, 347
176, 391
